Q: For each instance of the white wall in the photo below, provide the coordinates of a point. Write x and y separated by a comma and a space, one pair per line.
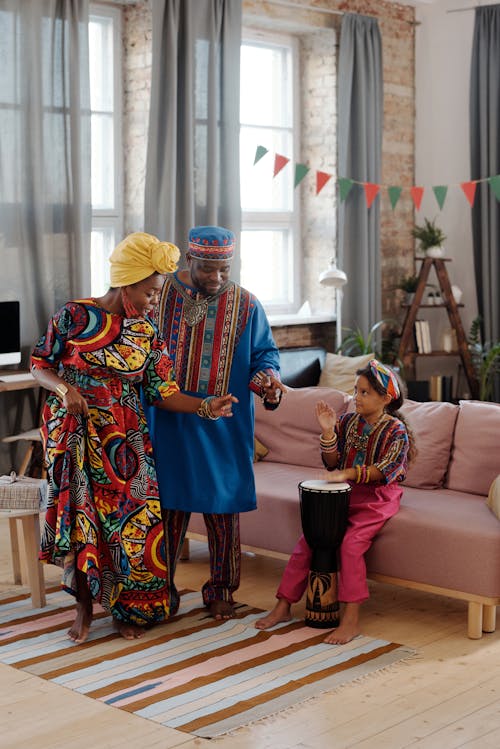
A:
443, 51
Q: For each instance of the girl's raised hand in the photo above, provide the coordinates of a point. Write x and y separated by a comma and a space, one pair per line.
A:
326, 417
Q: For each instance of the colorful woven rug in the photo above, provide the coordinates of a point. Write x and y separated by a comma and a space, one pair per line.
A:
193, 674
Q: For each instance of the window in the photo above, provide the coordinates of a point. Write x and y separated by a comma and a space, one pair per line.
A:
270, 222
105, 104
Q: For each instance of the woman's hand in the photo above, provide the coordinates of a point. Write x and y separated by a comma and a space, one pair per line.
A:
73, 401
222, 405
326, 417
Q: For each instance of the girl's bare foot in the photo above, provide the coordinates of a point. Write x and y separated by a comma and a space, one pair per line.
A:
129, 631
280, 613
349, 626
80, 628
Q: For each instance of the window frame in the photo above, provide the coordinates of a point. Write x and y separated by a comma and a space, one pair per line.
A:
104, 218
276, 220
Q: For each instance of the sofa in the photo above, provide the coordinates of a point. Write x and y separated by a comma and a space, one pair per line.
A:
444, 540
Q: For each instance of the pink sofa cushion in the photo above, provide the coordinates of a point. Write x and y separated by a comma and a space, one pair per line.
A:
432, 424
291, 433
476, 456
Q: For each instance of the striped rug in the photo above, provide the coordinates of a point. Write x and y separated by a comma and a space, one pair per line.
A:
193, 674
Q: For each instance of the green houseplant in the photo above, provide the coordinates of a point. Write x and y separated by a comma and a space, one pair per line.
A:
382, 339
485, 359
430, 238
408, 284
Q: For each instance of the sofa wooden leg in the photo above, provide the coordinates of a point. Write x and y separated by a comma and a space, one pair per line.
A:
475, 620
489, 618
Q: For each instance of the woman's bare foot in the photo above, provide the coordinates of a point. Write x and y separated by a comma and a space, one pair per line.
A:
280, 613
221, 609
80, 628
349, 626
129, 631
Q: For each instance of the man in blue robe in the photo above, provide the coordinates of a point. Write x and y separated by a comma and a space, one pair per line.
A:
220, 341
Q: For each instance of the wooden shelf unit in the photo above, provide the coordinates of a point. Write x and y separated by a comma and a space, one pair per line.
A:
407, 353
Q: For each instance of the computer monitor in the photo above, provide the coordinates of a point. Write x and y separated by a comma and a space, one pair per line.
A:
10, 333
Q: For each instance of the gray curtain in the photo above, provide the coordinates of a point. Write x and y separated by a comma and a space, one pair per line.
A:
192, 170
360, 111
485, 162
45, 212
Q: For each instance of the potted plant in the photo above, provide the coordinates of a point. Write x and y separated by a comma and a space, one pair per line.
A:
485, 359
430, 238
408, 284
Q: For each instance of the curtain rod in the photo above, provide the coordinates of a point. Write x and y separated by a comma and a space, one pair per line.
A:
330, 11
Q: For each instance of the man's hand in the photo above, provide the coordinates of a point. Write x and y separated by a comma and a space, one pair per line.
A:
272, 388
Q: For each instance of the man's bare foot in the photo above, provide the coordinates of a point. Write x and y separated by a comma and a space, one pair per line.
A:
349, 626
79, 630
129, 631
280, 613
221, 610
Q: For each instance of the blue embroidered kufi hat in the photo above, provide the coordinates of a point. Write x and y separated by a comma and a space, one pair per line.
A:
211, 243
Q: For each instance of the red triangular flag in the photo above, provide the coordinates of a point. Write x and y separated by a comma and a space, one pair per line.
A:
417, 194
469, 189
321, 180
279, 163
371, 191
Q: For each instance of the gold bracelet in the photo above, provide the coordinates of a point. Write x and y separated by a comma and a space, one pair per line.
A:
367, 479
204, 411
358, 474
61, 390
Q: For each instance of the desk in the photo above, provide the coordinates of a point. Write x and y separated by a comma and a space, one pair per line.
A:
14, 381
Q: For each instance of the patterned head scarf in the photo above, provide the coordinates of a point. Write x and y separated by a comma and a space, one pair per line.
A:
140, 255
211, 243
385, 377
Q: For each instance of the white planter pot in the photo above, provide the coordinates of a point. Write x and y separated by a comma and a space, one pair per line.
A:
436, 251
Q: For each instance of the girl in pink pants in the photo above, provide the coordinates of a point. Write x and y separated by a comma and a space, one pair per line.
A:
368, 448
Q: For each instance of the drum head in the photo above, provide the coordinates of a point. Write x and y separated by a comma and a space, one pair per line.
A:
319, 485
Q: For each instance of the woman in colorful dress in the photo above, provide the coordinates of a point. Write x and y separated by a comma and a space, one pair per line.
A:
103, 522
370, 449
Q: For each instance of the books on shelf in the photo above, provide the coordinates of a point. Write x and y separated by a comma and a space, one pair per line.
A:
423, 336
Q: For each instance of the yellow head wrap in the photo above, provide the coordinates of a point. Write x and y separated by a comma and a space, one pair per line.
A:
140, 255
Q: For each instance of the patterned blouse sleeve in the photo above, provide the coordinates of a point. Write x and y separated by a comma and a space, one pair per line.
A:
65, 324
392, 459
159, 382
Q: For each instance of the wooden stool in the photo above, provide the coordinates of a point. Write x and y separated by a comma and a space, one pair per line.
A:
22, 501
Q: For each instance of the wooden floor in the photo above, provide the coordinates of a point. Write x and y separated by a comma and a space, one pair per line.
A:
447, 696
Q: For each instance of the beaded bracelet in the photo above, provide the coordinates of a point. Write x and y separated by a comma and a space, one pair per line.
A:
204, 411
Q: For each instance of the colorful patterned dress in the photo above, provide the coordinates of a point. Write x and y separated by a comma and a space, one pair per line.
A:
103, 513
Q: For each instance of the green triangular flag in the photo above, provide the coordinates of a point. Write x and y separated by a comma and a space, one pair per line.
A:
345, 185
300, 172
440, 193
394, 195
259, 153
495, 185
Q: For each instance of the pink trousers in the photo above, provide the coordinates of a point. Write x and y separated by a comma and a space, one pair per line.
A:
369, 508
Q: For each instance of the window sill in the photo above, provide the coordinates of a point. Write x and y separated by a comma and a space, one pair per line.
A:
276, 321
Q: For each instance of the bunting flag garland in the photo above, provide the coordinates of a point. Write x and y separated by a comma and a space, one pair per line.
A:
371, 189
259, 153
417, 193
279, 162
495, 185
469, 189
300, 172
321, 180
394, 194
440, 192
371, 192
345, 186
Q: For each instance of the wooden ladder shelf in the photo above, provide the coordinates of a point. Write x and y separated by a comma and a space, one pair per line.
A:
407, 353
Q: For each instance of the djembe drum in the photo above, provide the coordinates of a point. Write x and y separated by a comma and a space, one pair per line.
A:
323, 509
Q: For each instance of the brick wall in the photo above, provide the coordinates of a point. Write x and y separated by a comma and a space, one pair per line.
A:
317, 34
